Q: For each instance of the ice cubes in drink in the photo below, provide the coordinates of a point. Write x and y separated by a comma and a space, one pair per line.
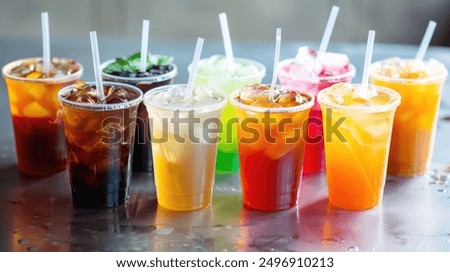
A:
85, 93
410, 69
34, 69
259, 95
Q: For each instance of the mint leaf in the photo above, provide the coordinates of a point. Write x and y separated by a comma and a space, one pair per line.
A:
132, 63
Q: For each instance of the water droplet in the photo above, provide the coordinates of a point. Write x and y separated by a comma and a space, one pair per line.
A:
161, 232
34, 248
24, 241
353, 249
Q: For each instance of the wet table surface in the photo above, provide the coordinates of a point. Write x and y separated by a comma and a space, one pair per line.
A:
37, 214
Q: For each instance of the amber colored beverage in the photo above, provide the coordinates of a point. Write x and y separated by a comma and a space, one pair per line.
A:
37, 123
271, 154
420, 86
100, 139
357, 133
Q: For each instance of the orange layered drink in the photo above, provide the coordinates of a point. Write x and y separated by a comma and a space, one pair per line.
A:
420, 85
357, 134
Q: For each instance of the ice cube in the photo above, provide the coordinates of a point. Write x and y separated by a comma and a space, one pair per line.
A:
378, 129
22, 70
35, 110
302, 71
334, 63
176, 92
251, 93
265, 103
246, 70
434, 68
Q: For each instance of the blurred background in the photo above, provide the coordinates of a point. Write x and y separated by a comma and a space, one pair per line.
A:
396, 21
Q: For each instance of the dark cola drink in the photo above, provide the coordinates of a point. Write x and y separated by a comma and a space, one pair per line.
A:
99, 140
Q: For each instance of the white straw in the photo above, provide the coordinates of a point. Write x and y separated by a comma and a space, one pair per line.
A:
276, 59
426, 41
226, 40
326, 36
144, 45
97, 71
367, 61
45, 42
198, 52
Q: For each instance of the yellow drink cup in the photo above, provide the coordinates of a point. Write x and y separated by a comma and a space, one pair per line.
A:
415, 121
184, 144
357, 134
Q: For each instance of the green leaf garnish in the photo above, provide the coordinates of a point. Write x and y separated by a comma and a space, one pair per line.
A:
132, 63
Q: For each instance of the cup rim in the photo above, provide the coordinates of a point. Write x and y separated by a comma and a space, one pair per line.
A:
54, 80
412, 81
261, 69
101, 107
382, 108
337, 78
298, 108
201, 109
130, 80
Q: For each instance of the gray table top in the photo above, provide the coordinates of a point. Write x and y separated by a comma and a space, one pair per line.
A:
37, 215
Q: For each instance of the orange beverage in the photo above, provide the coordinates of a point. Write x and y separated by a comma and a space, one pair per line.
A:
420, 85
271, 142
38, 126
357, 132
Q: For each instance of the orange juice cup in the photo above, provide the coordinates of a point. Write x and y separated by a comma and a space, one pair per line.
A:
415, 121
357, 137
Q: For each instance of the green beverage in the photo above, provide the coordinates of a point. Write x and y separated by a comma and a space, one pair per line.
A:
214, 73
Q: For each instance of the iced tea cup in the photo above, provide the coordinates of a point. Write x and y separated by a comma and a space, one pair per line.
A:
357, 137
314, 150
184, 143
142, 152
214, 73
420, 86
99, 139
271, 139
38, 125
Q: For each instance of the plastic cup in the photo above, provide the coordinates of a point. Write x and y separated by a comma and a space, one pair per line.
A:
415, 121
271, 166
227, 150
184, 166
356, 162
99, 139
38, 126
142, 153
314, 151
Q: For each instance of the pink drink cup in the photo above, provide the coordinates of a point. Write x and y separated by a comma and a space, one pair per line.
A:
314, 152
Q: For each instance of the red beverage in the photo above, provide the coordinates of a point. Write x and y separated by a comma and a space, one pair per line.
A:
271, 154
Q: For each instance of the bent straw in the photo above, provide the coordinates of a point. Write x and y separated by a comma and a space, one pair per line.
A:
97, 71
367, 62
144, 45
45, 42
226, 40
426, 41
326, 36
198, 52
276, 59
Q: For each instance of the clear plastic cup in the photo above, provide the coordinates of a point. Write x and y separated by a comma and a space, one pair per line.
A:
415, 121
99, 139
271, 156
184, 166
38, 126
357, 139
